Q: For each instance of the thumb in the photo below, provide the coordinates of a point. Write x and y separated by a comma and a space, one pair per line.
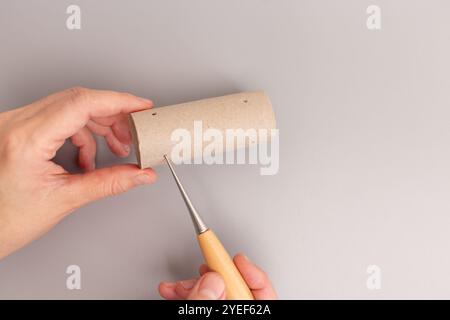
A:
210, 286
101, 183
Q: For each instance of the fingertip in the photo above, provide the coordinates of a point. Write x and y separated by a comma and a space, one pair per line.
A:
126, 150
151, 173
252, 274
146, 176
144, 104
242, 259
85, 161
115, 145
88, 167
165, 284
146, 101
256, 279
122, 150
86, 145
161, 287
241, 255
167, 290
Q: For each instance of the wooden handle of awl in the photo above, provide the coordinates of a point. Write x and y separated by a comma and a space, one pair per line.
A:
218, 260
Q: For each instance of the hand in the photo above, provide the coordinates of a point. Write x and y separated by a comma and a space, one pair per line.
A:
210, 285
36, 193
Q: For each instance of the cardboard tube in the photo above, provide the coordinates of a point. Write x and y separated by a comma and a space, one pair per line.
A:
152, 129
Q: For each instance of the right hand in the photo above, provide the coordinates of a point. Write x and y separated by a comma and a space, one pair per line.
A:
210, 285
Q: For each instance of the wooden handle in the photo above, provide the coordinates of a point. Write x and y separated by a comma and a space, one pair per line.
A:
218, 260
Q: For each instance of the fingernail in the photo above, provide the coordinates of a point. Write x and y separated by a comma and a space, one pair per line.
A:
188, 284
168, 284
93, 165
143, 179
245, 257
126, 148
145, 100
211, 286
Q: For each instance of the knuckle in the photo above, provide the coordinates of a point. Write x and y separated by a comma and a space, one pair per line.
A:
115, 187
78, 94
12, 142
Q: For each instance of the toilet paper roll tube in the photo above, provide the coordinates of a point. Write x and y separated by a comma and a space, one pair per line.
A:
152, 129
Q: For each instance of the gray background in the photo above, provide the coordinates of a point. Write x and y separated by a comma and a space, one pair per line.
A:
364, 158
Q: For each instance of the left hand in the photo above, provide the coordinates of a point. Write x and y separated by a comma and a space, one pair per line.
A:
35, 192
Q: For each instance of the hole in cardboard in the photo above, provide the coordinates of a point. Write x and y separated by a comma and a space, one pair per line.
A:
154, 114
245, 101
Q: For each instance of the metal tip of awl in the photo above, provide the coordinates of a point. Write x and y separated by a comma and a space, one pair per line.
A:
199, 225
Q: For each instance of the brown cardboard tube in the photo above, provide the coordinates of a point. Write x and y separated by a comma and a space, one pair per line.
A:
152, 129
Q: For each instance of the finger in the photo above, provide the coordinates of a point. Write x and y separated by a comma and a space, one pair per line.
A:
84, 188
177, 290
119, 125
117, 147
62, 119
167, 291
203, 269
86, 144
121, 130
184, 288
210, 286
256, 279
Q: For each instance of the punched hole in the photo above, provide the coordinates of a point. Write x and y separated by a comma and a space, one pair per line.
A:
154, 114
